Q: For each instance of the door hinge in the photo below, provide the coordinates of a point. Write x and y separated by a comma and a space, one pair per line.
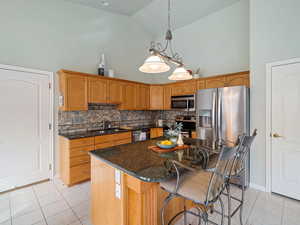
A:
50, 86
50, 126
50, 166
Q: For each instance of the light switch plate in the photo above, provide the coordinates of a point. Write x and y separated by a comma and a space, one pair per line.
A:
117, 176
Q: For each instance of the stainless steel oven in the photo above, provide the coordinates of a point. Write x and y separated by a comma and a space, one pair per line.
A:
183, 102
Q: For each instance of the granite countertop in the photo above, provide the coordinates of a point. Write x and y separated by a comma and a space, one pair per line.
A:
137, 160
85, 134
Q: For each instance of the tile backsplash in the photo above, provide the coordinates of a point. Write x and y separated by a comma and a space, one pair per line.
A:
77, 121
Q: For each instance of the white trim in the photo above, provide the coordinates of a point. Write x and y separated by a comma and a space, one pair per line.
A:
269, 67
50, 75
258, 187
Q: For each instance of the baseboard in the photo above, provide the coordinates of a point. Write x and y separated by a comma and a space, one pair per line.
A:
258, 187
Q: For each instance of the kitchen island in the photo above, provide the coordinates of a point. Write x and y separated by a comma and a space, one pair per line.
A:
125, 183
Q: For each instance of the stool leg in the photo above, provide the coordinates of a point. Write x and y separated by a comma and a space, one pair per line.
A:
166, 201
242, 204
222, 209
229, 203
184, 216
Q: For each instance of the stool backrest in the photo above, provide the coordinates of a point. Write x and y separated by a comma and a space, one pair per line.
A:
244, 144
224, 167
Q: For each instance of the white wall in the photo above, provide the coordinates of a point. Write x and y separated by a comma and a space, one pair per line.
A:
217, 43
275, 36
50, 35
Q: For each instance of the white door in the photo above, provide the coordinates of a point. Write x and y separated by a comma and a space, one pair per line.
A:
25, 138
286, 130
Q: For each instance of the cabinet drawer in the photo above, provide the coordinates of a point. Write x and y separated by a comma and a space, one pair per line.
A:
80, 173
112, 137
81, 142
81, 151
78, 160
104, 145
123, 142
120, 136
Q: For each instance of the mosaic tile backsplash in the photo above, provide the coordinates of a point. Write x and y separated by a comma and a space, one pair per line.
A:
77, 121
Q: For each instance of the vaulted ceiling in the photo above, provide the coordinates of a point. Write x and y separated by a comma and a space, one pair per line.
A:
125, 7
152, 14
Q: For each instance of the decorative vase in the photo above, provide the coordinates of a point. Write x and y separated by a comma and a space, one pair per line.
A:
180, 140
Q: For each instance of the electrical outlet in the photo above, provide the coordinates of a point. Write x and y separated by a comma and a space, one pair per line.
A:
118, 191
117, 176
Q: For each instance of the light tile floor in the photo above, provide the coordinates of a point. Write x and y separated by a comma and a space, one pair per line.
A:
52, 203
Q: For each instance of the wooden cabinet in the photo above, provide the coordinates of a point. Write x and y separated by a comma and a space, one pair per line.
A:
75, 160
200, 84
142, 97
237, 80
115, 92
79, 89
97, 89
156, 97
184, 88
156, 132
129, 97
167, 97
73, 92
74, 157
215, 82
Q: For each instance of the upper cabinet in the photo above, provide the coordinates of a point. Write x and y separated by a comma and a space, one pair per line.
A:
142, 97
115, 92
238, 80
79, 89
184, 88
215, 82
167, 97
73, 92
97, 90
156, 97
129, 97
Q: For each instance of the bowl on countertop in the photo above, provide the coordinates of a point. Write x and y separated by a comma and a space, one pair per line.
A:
173, 145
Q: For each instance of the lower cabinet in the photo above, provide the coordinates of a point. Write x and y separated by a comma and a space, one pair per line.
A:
156, 132
75, 162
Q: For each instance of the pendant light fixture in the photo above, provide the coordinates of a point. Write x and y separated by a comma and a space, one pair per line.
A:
160, 56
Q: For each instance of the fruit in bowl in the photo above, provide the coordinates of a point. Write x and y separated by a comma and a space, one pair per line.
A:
166, 144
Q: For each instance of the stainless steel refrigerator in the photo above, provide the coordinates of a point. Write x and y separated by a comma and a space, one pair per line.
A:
223, 115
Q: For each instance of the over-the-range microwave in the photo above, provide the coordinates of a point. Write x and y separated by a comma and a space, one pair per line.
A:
183, 102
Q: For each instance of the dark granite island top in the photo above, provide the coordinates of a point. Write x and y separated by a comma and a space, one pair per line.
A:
138, 161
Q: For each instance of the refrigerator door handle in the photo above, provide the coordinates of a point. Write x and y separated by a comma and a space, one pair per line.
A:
213, 120
219, 119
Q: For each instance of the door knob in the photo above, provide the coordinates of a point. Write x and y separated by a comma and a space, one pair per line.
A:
275, 135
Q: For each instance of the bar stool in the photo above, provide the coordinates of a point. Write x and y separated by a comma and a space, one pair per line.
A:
237, 172
202, 187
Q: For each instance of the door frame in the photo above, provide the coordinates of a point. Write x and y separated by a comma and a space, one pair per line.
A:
50, 76
268, 138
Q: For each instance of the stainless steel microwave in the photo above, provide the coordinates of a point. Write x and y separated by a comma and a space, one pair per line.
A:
183, 102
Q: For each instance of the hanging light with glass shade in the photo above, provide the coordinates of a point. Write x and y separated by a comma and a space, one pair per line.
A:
160, 56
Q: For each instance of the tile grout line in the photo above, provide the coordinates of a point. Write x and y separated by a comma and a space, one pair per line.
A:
38, 200
69, 204
10, 210
283, 212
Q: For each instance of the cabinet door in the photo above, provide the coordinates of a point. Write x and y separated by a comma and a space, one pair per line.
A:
115, 92
217, 82
142, 97
167, 97
74, 90
186, 88
237, 80
129, 99
97, 90
156, 97
200, 84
